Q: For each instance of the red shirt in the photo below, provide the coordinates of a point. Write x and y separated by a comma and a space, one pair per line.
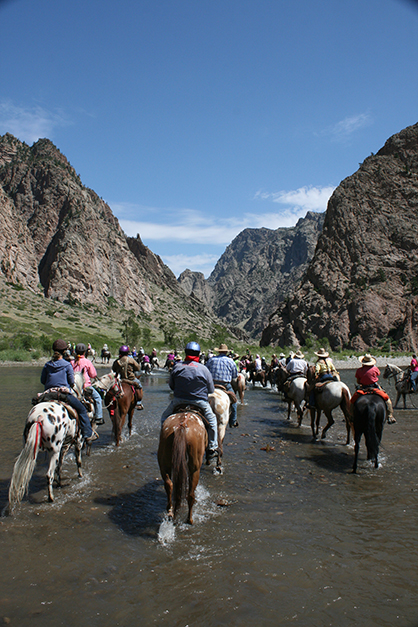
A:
367, 375
414, 365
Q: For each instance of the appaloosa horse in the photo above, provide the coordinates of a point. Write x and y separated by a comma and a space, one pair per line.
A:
121, 402
183, 441
51, 427
331, 394
369, 415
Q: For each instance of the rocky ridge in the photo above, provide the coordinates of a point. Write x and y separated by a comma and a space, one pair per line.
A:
257, 271
361, 288
59, 237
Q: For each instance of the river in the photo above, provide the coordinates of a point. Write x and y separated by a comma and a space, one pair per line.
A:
286, 536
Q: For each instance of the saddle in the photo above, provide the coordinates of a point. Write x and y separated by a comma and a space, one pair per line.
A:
185, 407
232, 397
290, 378
319, 387
369, 390
59, 396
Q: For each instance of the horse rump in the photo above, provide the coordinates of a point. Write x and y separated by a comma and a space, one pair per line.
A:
369, 414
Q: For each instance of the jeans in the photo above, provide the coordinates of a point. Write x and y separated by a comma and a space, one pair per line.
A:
414, 376
209, 415
85, 425
98, 409
233, 415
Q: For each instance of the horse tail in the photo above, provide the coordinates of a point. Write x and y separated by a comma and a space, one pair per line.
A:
372, 442
24, 465
180, 471
346, 405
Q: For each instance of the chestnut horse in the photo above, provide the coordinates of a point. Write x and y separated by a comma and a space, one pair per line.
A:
238, 385
183, 441
120, 403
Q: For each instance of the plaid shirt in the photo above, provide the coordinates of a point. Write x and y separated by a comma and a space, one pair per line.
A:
222, 368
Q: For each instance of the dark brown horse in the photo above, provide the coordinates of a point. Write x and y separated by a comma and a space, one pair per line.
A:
121, 403
369, 415
183, 441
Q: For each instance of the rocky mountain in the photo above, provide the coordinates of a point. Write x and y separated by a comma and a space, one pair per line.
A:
361, 287
258, 270
59, 237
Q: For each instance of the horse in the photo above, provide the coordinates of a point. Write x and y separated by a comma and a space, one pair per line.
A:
121, 401
402, 382
220, 402
333, 394
52, 427
92, 354
296, 394
183, 441
257, 375
106, 356
369, 415
280, 376
238, 386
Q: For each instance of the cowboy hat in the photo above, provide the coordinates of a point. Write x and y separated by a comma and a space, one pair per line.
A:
299, 355
322, 353
367, 360
282, 355
222, 349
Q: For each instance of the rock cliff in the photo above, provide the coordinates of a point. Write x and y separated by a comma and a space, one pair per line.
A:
60, 237
257, 271
361, 288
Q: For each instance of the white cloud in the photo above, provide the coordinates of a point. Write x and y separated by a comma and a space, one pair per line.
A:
28, 124
188, 226
346, 127
199, 263
300, 200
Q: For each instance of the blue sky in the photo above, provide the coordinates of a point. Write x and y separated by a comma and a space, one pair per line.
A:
195, 119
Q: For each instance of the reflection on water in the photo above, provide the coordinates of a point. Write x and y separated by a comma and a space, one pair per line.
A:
286, 535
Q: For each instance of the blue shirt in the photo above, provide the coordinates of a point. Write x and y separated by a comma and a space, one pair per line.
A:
57, 374
191, 380
222, 368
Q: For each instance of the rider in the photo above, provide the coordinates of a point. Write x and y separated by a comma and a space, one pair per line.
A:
58, 373
324, 371
414, 372
257, 362
126, 366
368, 376
297, 365
191, 383
223, 370
84, 365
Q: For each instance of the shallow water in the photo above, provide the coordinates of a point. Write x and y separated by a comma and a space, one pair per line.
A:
286, 536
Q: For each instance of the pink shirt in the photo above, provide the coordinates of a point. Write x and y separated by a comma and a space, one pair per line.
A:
85, 366
367, 375
414, 365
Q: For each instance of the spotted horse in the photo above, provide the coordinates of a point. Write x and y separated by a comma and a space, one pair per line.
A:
51, 426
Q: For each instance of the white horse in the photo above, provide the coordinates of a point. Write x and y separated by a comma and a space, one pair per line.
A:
331, 395
220, 403
402, 383
296, 395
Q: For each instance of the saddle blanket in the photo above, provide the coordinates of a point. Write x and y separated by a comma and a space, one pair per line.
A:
377, 391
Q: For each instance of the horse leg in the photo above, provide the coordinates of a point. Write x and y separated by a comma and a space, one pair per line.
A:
168, 486
289, 407
328, 425
130, 416
191, 499
53, 464
314, 433
318, 418
398, 396
357, 439
404, 400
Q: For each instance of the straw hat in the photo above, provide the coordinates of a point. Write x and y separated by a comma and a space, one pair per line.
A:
222, 349
367, 360
299, 355
322, 353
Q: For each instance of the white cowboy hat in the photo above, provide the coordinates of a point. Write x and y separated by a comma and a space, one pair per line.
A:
322, 353
282, 355
367, 360
299, 355
222, 349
